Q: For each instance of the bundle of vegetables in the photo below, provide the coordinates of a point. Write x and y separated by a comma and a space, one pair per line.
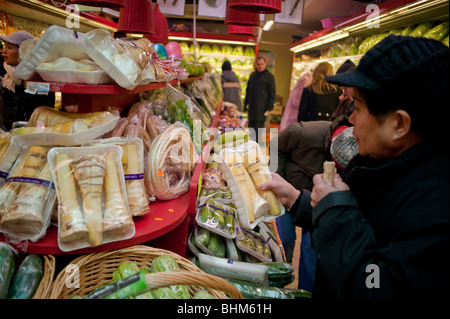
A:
171, 161
9, 152
23, 283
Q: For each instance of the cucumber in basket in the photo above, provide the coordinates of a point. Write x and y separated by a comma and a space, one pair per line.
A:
27, 279
7, 266
257, 291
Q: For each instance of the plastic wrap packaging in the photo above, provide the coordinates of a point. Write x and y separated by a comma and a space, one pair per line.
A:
253, 243
276, 250
133, 168
28, 196
244, 168
48, 126
155, 126
92, 200
209, 242
217, 217
171, 161
221, 194
56, 42
229, 268
9, 152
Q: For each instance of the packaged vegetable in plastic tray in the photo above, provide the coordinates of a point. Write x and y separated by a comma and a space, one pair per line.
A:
253, 243
212, 177
28, 196
210, 243
191, 242
244, 168
48, 126
55, 43
269, 237
9, 152
218, 217
92, 200
133, 168
222, 194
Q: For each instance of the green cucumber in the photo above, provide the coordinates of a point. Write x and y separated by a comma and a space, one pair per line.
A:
27, 279
167, 262
7, 266
206, 213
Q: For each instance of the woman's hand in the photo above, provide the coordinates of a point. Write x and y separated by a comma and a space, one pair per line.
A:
287, 193
322, 189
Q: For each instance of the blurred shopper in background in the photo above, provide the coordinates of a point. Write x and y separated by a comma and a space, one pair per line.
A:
231, 86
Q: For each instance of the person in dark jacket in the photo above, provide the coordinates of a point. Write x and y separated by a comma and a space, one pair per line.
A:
319, 99
231, 86
18, 105
259, 97
382, 231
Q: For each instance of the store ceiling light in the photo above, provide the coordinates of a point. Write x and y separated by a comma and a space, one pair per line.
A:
260, 6
268, 25
101, 3
137, 17
334, 36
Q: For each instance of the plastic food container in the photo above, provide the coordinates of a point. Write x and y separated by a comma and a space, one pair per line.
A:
75, 76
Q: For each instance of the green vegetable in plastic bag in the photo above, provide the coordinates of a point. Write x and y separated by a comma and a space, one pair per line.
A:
421, 29
438, 32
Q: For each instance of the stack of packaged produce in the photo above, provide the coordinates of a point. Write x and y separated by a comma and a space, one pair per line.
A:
235, 235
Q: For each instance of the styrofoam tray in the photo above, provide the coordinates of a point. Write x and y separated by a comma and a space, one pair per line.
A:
75, 76
56, 42
60, 139
121, 68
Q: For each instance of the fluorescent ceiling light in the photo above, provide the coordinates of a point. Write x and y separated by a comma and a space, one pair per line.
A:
268, 25
337, 35
210, 40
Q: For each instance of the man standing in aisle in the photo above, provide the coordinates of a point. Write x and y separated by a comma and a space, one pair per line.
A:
259, 97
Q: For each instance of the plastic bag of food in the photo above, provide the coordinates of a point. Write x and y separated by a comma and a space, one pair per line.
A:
28, 196
92, 200
253, 243
210, 243
171, 162
9, 152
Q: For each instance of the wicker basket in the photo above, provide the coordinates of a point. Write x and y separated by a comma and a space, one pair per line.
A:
45, 286
96, 269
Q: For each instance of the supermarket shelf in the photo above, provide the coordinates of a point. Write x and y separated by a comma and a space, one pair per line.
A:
109, 88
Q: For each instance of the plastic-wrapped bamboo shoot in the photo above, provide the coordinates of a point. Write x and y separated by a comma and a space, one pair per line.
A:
254, 203
117, 218
89, 171
329, 171
255, 169
71, 223
28, 217
29, 166
138, 200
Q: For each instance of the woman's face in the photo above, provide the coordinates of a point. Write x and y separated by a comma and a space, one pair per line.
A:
11, 53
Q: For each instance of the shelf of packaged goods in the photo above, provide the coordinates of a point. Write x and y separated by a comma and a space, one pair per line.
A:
94, 98
166, 226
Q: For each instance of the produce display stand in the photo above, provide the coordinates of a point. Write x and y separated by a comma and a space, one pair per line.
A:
168, 223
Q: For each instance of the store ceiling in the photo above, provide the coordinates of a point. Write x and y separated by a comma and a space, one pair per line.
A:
314, 11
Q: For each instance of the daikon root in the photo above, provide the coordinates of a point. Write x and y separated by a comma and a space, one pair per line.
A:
117, 218
89, 172
71, 223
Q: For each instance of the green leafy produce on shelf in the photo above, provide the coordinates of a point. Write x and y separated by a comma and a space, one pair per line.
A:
236, 63
205, 48
216, 49
184, 46
238, 50
180, 112
421, 29
408, 29
192, 48
445, 40
249, 52
438, 32
226, 49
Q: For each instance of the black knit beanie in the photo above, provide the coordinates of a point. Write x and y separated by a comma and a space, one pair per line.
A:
226, 66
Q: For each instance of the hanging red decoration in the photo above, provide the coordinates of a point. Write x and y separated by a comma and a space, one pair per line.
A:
161, 34
137, 17
114, 4
239, 17
260, 6
241, 29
